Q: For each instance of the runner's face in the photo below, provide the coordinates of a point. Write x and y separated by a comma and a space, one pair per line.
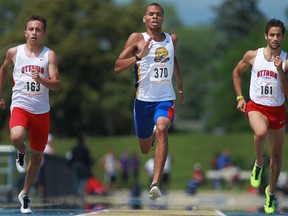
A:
274, 37
34, 31
153, 17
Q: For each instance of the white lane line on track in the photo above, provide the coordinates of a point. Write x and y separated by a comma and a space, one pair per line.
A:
220, 213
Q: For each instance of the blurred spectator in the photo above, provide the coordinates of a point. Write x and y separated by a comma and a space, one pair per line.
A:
80, 162
196, 180
124, 168
95, 187
149, 167
165, 178
229, 172
223, 170
216, 181
198, 174
109, 163
40, 179
49, 149
134, 165
214, 164
224, 160
283, 186
135, 197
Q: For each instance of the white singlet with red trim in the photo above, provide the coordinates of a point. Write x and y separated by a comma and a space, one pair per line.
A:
154, 72
26, 92
265, 83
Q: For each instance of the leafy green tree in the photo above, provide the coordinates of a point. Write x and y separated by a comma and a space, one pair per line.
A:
87, 37
244, 27
222, 107
197, 66
207, 63
237, 18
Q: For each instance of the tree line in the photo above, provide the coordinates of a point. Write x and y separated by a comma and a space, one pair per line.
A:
88, 37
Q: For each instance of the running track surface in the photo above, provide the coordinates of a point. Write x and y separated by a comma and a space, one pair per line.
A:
175, 203
114, 212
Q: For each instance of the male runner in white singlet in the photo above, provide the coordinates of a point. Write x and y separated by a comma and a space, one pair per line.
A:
153, 55
35, 73
266, 110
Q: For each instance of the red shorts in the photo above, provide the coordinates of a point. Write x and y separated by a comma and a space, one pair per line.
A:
38, 124
276, 115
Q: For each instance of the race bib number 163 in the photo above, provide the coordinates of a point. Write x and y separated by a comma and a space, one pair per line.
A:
31, 87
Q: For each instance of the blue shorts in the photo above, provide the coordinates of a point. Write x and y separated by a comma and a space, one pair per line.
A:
147, 113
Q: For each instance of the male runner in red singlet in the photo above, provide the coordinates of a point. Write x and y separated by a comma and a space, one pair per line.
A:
35, 73
266, 110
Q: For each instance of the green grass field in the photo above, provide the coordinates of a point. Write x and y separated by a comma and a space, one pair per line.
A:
185, 150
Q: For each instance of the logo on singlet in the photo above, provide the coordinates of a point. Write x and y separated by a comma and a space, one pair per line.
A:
161, 55
29, 68
267, 73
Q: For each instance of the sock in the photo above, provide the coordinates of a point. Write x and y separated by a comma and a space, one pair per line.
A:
154, 184
259, 166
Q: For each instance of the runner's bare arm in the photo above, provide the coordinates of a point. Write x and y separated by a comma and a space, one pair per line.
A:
135, 45
8, 62
126, 58
53, 82
283, 74
241, 67
177, 71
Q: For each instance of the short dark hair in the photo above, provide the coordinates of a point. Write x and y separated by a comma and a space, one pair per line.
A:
154, 4
275, 23
39, 18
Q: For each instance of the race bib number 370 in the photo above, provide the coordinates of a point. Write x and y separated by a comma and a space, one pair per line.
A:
160, 72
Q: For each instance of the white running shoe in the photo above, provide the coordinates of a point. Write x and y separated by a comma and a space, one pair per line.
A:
21, 162
154, 192
25, 203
